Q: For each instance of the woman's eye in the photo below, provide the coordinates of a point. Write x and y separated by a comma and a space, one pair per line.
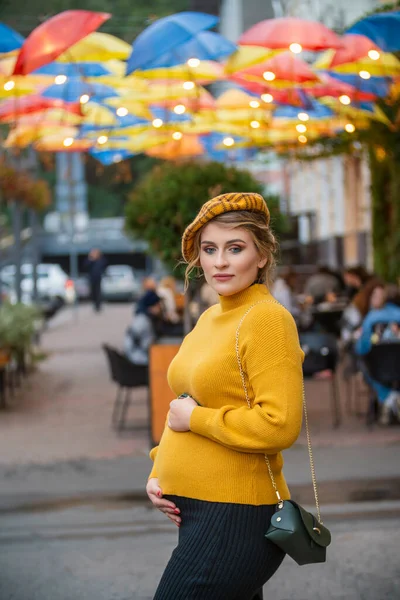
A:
209, 250
235, 249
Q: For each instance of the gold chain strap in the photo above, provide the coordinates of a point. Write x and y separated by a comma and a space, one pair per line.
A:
243, 378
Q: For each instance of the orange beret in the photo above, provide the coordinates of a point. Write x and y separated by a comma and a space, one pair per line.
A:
216, 206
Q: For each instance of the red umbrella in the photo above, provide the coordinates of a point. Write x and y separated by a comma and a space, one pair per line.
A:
290, 96
354, 47
281, 33
54, 36
330, 86
281, 67
32, 104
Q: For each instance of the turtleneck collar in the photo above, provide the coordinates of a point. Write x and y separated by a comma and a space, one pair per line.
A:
249, 295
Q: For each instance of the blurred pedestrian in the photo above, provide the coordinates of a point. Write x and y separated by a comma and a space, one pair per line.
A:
209, 474
95, 266
145, 328
354, 278
323, 282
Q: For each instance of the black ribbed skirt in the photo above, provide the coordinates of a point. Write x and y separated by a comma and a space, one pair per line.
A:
222, 553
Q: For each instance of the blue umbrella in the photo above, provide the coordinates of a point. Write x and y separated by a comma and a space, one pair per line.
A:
382, 28
315, 110
210, 142
169, 116
9, 39
379, 86
207, 45
110, 157
73, 89
166, 34
78, 69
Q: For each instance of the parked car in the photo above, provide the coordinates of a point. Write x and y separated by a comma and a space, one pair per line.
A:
52, 282
120, 283
82, 287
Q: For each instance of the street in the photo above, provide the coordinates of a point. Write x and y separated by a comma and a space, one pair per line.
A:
118, 551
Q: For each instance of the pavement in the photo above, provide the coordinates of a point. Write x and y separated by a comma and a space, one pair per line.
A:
57, 447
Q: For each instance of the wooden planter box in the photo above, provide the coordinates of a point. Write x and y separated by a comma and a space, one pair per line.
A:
161, 395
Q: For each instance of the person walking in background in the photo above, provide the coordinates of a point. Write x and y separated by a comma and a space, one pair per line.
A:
95, 265
210, 475
145, 328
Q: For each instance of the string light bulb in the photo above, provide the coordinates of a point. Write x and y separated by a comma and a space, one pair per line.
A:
84, 98
9, 85
374, 54
269, 75
303, 116
301, 128
179, 109
267, 98
157, 123
345, 99
68, 142
255, 124
188, 85
177, 135
302, 139
60, 79
102, 139
122, 111
295, 48
228, 141
193, 62
350, 128
254, 104
365, 74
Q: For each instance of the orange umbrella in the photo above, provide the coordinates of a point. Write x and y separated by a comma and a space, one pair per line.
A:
50, 39
188, 145
284, 67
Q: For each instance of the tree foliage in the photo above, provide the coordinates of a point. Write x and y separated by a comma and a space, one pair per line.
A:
169, 197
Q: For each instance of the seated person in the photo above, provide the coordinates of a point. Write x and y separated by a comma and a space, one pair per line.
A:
145, 328
372, 332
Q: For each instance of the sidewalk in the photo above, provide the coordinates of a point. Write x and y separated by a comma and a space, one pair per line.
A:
56, 441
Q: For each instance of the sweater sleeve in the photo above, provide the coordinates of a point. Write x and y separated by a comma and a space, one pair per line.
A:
153, 454
272, 360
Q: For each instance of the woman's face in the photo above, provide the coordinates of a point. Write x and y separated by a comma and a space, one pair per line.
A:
229, 258
378, 298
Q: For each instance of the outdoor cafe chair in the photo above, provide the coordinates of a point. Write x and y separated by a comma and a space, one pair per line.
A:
382, 363
322, 354
127, 376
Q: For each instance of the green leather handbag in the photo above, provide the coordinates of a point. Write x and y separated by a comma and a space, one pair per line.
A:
296, 531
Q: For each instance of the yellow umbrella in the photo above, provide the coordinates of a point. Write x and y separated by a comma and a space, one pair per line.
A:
355, 112
23, 136
187, 146
247, 56
138, 143
206, 71
386, 65
49, 116
96, 114
97, 47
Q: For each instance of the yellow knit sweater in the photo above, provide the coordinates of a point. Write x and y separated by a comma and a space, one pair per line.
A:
221, 458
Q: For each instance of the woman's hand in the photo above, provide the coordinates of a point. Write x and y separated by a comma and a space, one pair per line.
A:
180, 412
154, 492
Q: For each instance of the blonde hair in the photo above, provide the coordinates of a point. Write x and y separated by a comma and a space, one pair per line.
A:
255, 223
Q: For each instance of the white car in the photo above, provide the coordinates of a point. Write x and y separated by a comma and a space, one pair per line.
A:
119, 283
52, 282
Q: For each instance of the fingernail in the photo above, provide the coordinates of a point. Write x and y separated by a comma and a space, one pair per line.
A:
177, 511
159, 494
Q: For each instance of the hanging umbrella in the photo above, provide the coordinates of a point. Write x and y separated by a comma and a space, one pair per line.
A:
330, 86
206, 71
110, 157
34, 103
73, 89
206, 45
10, 40
386, 65
381, 28
285, 31
47, 118
282, 70
269, 94
379, 86
165, 34
202, 101
188, 146
365, 110
54, 36
353, 49
78, 69
98, 47
247, 56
